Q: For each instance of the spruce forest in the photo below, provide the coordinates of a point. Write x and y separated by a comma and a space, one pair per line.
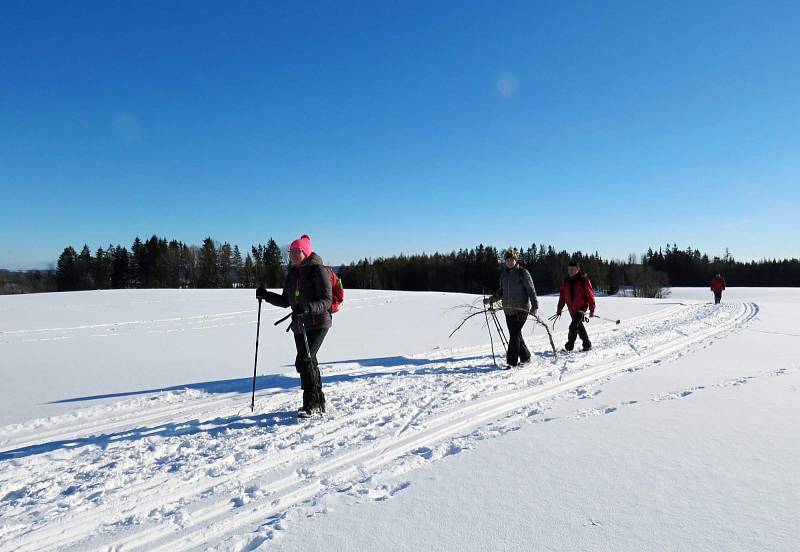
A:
158, 263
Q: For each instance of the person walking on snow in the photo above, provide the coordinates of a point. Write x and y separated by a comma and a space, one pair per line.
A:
519, 298
577, 294
717, 286
308, 291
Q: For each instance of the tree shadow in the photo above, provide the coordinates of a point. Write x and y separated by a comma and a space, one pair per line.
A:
397, 366
279, 381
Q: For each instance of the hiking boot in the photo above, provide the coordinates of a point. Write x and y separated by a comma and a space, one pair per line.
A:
568, 346
310, 412
587, 346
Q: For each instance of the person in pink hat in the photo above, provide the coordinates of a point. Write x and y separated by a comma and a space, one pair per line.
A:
308, 292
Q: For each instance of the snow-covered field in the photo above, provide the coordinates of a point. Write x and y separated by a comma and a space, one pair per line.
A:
125, 424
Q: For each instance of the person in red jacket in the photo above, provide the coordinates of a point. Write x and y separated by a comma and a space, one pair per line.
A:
717, 286
578, 295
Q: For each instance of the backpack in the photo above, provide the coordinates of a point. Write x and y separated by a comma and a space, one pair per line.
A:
338, 290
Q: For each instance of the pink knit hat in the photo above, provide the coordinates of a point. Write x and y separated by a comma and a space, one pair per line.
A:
303, 243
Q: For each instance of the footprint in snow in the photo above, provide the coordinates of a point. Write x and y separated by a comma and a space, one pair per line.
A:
424, 452
306, 473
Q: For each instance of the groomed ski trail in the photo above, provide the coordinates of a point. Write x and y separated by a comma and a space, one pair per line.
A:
196, 473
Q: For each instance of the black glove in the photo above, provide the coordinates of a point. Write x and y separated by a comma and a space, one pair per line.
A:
261, 293
300, 310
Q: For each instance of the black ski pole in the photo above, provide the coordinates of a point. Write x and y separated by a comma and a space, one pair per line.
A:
607, 319
283, 319
255, 364
488, 327
500, 331
305, 337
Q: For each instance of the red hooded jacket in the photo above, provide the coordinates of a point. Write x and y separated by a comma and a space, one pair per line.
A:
717, 284
577, 294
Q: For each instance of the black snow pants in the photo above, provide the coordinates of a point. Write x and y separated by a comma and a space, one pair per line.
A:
717, 297
308, 368
576, 328
517, 350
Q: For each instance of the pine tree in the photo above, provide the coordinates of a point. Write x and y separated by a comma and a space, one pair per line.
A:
237, 267
273, 265
207, 265
120, 271
67, 276
225, 260
172, 263
85, 266
102, 268
249, 272
134, 264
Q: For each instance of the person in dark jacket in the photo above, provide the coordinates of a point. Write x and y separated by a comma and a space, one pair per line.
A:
577, 294
309, 293
519, 298
717, 286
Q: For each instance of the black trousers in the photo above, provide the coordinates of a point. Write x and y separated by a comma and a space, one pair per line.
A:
308, 367
717, 297
576, 328
517, 350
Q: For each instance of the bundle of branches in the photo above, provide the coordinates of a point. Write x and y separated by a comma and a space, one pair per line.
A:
538, 321
475, 310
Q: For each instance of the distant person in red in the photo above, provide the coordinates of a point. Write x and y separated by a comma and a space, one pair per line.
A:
717, 286
578, 295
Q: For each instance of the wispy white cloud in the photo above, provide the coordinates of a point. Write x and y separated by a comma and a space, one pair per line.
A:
126, 128
507, 85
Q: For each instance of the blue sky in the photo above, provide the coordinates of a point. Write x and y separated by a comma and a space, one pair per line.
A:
381, 127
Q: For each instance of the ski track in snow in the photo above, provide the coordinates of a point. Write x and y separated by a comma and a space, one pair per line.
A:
191, 470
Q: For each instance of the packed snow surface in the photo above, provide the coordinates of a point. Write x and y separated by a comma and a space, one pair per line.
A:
126, 425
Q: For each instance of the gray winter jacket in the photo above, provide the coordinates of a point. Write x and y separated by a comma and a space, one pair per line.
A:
516, 289
307, 284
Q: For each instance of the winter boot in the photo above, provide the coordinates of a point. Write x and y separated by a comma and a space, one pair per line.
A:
310, 412
306, 401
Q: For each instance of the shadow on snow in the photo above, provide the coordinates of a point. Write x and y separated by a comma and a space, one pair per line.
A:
396, 366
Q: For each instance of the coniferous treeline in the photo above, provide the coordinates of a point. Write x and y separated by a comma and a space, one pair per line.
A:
476, 270
156, 263
690, 267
